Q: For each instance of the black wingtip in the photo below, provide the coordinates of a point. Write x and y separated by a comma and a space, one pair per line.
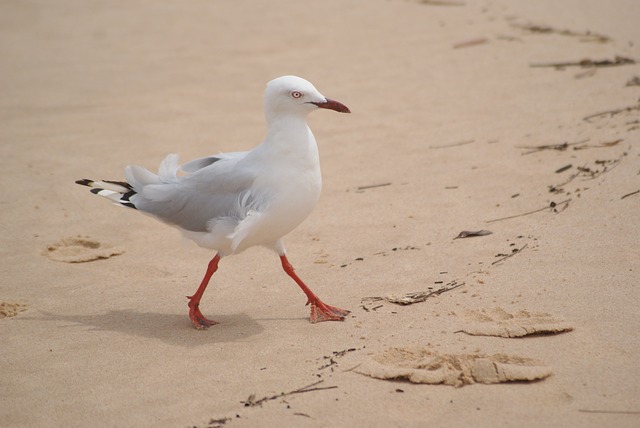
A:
120, 183
84, 182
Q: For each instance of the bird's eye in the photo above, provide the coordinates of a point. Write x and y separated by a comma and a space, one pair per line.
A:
296, 94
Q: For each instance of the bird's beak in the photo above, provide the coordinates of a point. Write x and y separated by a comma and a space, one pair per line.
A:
333, 105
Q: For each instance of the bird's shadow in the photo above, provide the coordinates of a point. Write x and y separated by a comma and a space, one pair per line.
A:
170, 328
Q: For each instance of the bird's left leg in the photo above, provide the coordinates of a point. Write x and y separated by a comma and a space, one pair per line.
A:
197, 319
319, 310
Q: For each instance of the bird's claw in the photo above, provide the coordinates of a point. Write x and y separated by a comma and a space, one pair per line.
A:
321, 312
197, 319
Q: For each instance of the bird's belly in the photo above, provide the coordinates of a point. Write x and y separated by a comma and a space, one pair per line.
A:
285, 211
291, 210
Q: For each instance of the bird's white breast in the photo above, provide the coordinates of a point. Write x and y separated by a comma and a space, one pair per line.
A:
287, 187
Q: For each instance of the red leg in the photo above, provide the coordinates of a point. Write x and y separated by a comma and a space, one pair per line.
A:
319, 310
197, 319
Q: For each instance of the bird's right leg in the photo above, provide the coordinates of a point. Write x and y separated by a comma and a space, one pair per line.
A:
197, 319
320, 311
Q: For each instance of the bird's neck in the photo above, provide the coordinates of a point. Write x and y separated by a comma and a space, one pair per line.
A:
290, 134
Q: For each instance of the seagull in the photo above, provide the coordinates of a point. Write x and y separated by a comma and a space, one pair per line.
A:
232, 201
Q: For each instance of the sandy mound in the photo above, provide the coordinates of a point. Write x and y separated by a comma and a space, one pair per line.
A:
500, 323
80, 250
420, 365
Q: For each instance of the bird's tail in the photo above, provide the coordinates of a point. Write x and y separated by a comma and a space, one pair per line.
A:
118, 192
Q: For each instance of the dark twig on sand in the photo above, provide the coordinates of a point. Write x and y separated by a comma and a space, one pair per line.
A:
563, 169
599, 146
334, 356
372, 186
611, 113
588, 63
558, 188
586, 36
607, 166
630, 194
559, 147
252, 402
472, 42
515, 251
552, 205
602, 167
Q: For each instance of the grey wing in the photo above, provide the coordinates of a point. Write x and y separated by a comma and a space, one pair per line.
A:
214, 188
198, 164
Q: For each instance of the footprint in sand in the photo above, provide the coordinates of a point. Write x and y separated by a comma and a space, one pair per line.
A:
420, 365
80, 250
11, 309
500, 323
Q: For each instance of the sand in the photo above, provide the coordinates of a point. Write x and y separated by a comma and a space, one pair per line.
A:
452, 127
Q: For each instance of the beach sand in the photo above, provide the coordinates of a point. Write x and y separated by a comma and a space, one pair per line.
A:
458, 120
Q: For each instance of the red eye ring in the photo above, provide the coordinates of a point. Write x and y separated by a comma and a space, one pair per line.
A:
296, 94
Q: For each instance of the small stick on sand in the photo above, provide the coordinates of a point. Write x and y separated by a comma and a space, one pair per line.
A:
588, 63
559, 147
372, 186
252, 402
630, 194
611, 113
613, 412
446, 146
587, 36
551, 205
472, 42
510, 255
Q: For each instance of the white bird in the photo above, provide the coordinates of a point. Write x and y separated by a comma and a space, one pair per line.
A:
230, 202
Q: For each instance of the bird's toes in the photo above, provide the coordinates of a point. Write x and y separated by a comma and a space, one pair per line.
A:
321, 312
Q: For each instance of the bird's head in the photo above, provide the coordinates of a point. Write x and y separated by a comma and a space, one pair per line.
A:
295, 95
